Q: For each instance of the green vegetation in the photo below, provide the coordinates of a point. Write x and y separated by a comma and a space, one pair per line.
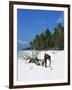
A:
48, 40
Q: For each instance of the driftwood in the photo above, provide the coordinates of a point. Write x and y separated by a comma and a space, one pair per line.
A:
33, 59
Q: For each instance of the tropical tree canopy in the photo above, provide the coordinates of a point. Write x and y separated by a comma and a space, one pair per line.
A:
49, 40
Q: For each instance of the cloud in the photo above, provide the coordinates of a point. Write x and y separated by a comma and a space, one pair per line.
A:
60, 19
23, 42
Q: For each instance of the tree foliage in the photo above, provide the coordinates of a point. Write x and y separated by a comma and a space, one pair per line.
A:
48, 40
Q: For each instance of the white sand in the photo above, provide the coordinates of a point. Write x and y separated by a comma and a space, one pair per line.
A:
32, 72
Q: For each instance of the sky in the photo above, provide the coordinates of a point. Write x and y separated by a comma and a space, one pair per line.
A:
33, 22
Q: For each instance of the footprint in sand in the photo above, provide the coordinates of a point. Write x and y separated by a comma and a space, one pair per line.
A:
31, 68
51, 68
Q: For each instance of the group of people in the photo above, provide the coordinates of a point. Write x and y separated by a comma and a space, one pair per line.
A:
46, 57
